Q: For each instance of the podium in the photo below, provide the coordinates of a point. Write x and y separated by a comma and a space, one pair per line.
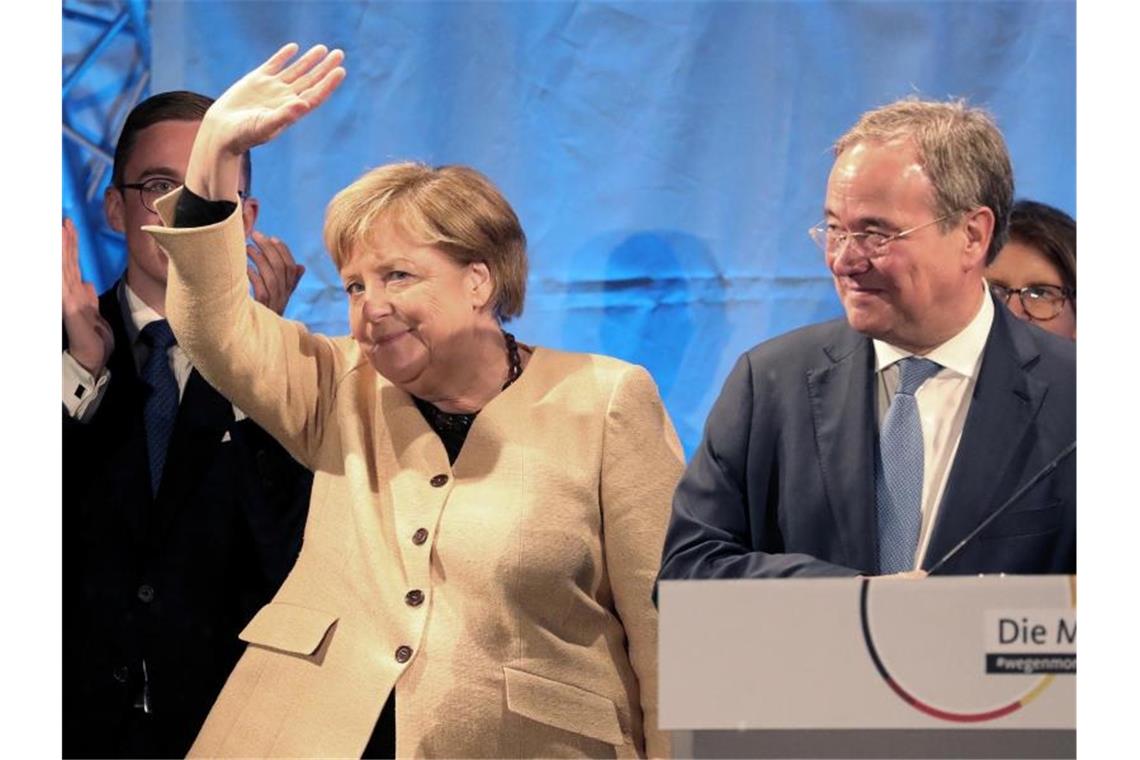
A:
943, 667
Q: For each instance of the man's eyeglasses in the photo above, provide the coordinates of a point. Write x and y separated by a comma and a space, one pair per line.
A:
1041, 302
156, 187
831, 240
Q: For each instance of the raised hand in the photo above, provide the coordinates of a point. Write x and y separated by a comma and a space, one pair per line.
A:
275, 274
271, 97
89, 337
254, 110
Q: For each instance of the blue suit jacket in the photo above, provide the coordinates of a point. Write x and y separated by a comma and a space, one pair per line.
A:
783, 483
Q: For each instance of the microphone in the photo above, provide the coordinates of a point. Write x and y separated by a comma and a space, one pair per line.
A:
1052, 465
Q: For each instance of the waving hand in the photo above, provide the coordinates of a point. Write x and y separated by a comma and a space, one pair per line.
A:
255, 109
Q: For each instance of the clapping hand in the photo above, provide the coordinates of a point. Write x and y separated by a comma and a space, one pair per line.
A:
89, 337
274, 274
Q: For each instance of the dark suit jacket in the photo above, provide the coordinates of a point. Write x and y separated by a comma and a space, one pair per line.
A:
170, 580
783, 483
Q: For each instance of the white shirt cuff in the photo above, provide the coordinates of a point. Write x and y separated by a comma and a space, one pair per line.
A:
82, 391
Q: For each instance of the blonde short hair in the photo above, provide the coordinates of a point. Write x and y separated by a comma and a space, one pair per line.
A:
960, 148
454, 208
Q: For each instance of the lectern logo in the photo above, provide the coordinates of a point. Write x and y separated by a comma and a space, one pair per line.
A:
1018, 642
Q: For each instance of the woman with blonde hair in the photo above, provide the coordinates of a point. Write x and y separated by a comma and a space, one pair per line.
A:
487, 516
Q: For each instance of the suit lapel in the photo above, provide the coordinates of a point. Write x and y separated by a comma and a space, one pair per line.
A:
997, 431
843, 406
122, 362
204, 416
120, 414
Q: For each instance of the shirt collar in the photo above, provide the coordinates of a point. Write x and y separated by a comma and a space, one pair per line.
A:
961, 354
138, 314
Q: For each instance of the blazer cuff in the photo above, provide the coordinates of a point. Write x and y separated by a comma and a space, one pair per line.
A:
209, 260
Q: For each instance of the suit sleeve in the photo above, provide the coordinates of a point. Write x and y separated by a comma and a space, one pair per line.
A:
726, 510
641, 461
271, 368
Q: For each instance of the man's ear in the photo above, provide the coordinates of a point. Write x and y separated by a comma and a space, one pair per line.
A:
249, 209
113, 209
979, 228
481, 283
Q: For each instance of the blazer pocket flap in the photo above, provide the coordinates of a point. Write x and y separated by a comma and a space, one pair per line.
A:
287, 627
563, 706
1025, 522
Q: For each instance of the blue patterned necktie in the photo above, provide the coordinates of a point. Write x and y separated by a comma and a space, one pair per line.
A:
899, 470
161, 406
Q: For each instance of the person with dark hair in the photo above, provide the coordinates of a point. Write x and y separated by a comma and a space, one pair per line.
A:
875, 444
180, 516
1039, 266
487, 515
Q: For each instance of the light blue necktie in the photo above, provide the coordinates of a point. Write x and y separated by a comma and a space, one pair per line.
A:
161, 406
899, 469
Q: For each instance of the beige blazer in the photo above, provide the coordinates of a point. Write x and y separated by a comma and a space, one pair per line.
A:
506, 599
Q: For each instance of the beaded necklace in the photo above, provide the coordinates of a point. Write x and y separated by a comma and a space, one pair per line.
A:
460, 422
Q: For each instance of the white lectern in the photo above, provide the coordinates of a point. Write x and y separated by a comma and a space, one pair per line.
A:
962, 667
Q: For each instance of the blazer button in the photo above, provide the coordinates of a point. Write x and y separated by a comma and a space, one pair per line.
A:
146, 593
403, 653
438, 481
419, 536
414, 598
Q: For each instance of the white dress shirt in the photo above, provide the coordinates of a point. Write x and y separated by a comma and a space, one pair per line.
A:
943, 402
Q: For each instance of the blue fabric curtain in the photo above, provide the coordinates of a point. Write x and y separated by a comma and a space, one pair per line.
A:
666, 159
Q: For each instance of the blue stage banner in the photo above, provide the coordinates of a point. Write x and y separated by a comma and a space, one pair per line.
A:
666, 158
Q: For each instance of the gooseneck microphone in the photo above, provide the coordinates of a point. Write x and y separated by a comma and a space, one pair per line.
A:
1048, 468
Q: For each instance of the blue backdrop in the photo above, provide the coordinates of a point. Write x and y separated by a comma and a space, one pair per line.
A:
666, 159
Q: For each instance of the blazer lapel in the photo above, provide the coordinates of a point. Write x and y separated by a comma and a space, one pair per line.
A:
996, 437
419, 457
841, 394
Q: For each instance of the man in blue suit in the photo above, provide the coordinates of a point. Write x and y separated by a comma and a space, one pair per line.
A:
874, 444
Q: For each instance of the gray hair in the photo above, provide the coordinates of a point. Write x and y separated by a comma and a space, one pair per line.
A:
961, 150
